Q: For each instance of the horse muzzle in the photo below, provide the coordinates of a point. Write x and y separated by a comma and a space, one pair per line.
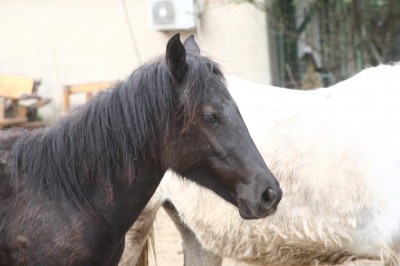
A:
259, 205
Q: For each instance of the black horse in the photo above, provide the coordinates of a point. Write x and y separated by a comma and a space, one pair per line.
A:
70, 192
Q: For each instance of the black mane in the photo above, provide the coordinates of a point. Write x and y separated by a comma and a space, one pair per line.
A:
106, 140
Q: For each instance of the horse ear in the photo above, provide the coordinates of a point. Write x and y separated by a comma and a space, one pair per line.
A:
176, 57
191, 45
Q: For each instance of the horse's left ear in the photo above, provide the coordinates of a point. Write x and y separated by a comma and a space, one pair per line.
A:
191, 45
176, 58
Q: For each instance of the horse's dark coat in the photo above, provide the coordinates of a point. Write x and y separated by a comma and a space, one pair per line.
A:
70, 192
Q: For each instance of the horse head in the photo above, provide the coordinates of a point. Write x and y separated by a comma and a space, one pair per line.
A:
211, 144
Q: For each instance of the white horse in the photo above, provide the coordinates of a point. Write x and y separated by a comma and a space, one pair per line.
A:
336, 154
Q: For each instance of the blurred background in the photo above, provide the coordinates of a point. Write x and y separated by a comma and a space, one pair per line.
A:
296, 44
50, 49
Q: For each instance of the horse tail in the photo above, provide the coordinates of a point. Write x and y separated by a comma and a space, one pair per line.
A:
143, 259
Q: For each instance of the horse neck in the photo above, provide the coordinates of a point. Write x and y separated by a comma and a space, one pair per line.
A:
130, 200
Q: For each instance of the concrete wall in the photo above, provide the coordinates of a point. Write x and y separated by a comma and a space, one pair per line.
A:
74, 41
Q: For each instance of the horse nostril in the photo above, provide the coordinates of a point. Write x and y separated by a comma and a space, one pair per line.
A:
269, 195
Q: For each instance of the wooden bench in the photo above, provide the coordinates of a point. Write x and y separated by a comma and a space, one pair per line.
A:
13, 91
86, 88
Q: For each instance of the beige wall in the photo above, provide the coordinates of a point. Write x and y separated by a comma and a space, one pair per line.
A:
74, 41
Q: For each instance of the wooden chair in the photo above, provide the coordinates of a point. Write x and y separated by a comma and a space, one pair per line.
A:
87, 88
13, 91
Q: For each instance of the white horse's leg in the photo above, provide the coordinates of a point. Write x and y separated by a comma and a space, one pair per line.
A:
194, 254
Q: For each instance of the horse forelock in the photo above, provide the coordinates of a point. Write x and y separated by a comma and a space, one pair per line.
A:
109, 139
200, 70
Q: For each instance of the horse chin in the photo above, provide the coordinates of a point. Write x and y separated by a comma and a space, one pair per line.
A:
208, 180
251, 212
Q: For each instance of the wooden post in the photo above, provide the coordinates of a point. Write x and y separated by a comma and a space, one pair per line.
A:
66, 99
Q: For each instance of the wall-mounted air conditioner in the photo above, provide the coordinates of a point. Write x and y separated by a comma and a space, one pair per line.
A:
172, 14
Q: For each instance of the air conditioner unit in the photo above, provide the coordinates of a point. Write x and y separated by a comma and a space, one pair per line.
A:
172, 14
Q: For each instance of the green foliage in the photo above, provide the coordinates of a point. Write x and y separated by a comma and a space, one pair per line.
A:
350, 35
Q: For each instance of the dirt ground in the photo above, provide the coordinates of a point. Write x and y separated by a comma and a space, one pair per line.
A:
168, 246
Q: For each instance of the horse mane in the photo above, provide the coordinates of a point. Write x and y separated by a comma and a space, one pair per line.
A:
109, 139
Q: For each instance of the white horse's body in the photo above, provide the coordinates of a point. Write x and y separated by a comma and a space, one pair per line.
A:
336, 154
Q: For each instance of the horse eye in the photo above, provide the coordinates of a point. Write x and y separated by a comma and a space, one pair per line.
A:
209, 118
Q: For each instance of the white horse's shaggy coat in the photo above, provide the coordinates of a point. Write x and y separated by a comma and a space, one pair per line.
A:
336, 154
